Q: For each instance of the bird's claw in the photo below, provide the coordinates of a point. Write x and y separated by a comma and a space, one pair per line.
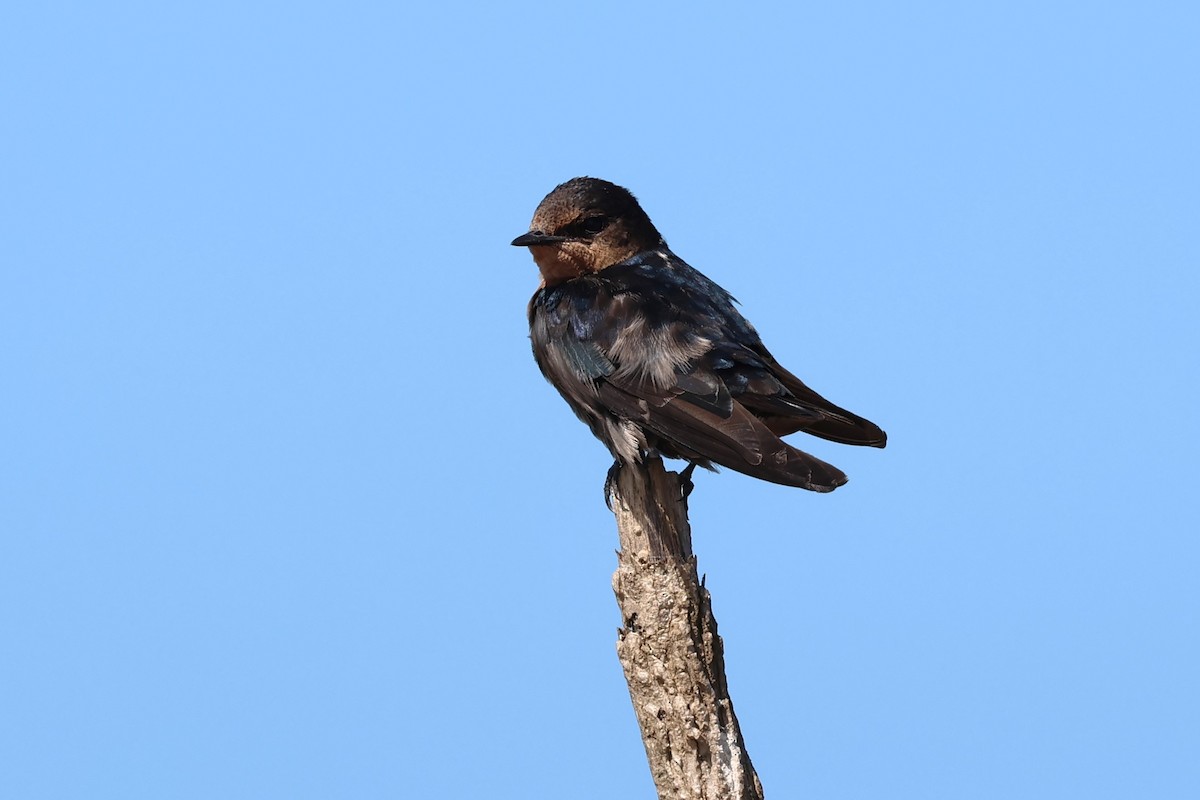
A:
685, 480
610, 483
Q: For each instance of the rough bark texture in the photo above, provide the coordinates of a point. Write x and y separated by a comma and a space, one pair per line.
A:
669, 647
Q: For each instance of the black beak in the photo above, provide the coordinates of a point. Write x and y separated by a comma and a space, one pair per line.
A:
535, 238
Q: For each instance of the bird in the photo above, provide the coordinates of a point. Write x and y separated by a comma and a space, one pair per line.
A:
654, 356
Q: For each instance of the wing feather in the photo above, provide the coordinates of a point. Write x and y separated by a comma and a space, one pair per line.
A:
682, 371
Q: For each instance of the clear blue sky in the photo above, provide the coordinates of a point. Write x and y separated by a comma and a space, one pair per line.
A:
287, 510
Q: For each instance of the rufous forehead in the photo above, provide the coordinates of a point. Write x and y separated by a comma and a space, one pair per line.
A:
554, 213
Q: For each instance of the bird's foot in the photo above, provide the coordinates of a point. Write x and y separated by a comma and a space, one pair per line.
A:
685, 480
610, 483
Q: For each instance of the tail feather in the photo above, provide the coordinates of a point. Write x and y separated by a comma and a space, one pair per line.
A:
792, 467
741, 441
813, 414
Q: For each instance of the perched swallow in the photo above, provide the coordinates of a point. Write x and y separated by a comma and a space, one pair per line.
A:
654, 357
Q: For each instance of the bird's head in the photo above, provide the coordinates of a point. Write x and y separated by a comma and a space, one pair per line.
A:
586, 225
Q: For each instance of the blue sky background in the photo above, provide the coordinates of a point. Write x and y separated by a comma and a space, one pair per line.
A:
288, 511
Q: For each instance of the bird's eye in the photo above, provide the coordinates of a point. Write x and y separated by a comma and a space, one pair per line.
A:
595, 224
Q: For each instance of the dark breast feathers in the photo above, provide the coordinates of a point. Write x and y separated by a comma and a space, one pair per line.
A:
652, 355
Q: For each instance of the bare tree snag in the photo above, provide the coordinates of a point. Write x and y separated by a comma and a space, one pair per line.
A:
669, 648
